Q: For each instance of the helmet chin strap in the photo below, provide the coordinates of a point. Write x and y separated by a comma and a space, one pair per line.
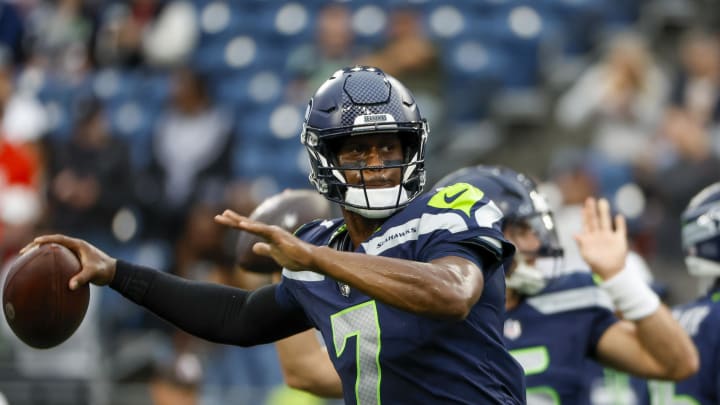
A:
525, 278
376, 197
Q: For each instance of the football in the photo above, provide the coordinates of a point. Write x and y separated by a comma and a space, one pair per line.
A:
38, 304
288, 210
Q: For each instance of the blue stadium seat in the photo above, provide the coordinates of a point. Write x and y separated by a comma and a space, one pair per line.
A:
473, 70
59, 96
259, 151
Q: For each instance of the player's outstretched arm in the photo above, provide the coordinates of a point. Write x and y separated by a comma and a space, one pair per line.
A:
445, 288
210, 311
650, 343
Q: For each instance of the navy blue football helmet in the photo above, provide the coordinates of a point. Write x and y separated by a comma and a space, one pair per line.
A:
517, 197
701, 232
364, 100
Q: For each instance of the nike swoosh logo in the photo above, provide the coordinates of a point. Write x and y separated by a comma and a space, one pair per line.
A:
449, 199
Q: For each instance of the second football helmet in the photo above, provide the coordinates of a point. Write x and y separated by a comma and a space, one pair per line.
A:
701, 232
517, 197
521, 204
363, 100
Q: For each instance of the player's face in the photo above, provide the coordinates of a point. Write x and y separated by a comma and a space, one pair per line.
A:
525, 240
371, 152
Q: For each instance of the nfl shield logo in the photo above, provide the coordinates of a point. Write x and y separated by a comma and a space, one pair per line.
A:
512, 329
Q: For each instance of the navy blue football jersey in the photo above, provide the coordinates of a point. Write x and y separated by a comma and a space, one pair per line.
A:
390, 356
612, 387
701, 320
554, 335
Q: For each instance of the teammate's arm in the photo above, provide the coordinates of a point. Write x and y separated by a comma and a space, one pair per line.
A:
447, 287
649, 343
213, 312
306, 364
651, 347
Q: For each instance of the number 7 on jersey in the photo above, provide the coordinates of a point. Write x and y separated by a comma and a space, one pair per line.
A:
361, 321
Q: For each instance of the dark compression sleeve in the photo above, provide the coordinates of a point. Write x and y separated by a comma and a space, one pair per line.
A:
213, 312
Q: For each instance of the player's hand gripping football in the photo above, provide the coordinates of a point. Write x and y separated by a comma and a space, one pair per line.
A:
282, 246
96, 266
603, 248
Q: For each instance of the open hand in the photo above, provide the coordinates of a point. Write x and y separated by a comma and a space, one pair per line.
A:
282, 246
603, 248
95, 265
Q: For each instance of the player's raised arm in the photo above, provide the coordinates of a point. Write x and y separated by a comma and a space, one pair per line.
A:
213, 312
650, 343
444, 288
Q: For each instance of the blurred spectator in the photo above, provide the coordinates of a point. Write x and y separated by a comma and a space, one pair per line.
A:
333, 46
121, 29
696, 90
685, 157
20, 181
671, 180
88, 178
620, 99
190, 155
59, 34
11, 33
697, 87
410, 56
146, 32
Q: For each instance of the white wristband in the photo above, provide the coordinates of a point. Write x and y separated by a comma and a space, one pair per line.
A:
631, 295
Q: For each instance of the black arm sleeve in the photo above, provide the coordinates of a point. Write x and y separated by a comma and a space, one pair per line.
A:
213, 312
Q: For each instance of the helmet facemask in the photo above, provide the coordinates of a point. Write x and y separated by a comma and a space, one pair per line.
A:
330, 177
532, 269
701, 241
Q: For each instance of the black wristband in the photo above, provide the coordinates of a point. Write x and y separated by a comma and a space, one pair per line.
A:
132, 281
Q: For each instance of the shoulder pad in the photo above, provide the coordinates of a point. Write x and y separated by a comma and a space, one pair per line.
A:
459, 196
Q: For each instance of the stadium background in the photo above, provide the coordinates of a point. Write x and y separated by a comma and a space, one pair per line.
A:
131, 123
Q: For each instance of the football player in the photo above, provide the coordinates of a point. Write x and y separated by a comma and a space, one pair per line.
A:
553, 326
700, 318
407, 290
557, 326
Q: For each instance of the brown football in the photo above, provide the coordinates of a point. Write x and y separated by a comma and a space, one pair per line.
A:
288, 210
38, 304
